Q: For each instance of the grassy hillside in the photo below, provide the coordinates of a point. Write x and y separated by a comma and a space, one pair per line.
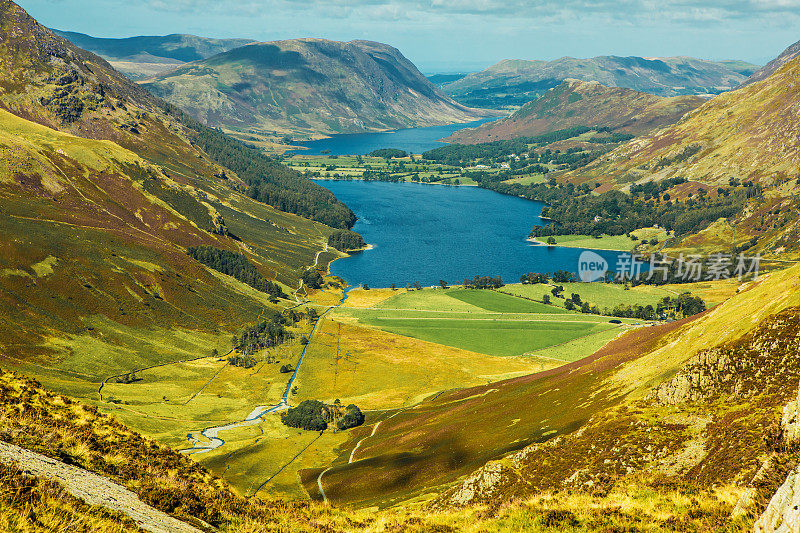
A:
577, 103
95, 280
748, 136
278, 88
446, 438
48, 80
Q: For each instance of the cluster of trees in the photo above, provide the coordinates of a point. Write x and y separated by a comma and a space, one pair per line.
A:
683, 305
388, 153
465, 154
268, 181
236, 265
313, 415
572, 211
564, 276
654, 189
559, 276
533, 278
242, 361
484, 282
265, 334
353, 417
312, 278
308, 415
344, 240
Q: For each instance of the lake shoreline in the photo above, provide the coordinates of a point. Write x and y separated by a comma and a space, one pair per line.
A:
427, 234
537, 242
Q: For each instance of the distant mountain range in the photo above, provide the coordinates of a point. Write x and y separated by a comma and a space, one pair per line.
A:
309, 87
514, 82
145, 56
578, 103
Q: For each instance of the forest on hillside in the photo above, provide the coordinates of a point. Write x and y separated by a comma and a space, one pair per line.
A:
267, 180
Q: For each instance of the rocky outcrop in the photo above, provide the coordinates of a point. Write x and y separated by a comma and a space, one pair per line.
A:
763, 360
783, 511
93, 489
483, 483
790, 421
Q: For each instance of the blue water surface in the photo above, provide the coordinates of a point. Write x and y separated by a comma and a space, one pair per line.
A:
412, 140
424, 233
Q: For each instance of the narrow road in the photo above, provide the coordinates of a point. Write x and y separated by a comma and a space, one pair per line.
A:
319, 485
315, 265
374, 429
93, 489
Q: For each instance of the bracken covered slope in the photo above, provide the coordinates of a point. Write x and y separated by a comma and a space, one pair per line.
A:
694, 404
48, 80
752, 133
577, 103
309, 87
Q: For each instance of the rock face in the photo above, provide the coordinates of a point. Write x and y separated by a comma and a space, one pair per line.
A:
783, 511
93, 489
309, 86
790, 421
482, 484
765, 359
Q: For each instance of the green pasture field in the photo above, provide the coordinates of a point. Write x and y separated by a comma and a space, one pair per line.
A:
494, 337
603, 295
484, 321
620, 243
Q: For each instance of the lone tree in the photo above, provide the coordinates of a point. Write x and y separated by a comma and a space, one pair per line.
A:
442, 283
551, 241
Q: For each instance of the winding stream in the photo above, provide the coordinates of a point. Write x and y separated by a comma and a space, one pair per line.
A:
258, 413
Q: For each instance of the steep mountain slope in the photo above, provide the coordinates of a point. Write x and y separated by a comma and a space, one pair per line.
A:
145, 56
576, 103
773, 66
752, 133
517, 81
98, 215
597, 423
48, 80
309, 87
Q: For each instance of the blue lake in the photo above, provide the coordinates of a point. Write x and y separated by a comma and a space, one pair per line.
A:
430, 232
413, 140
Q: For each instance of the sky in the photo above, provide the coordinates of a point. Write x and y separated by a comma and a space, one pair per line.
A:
459, 35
